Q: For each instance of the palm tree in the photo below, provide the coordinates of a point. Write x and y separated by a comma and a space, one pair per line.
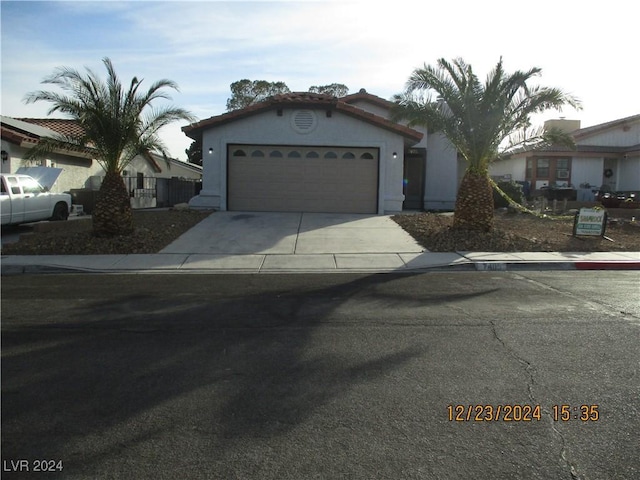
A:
478, 119
117, 125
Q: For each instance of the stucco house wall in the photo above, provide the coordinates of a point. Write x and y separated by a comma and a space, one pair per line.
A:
587, 170
629, 174
441, 174
76, 171
512, 167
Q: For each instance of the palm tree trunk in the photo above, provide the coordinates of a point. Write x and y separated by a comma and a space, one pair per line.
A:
474, 204
112, 213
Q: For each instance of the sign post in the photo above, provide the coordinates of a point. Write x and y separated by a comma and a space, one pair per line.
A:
591, 222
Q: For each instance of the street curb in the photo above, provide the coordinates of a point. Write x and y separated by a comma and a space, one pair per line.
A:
496, 266
585, 265
607, 265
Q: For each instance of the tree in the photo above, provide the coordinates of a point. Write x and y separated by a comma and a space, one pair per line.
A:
477, 118
194, 152
117, 126
335, 89
246, 92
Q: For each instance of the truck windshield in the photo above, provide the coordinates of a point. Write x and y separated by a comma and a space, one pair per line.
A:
29, 185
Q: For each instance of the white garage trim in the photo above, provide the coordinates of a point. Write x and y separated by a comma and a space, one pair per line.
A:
302, 179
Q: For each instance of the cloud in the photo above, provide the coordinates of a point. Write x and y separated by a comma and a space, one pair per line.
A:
206, 45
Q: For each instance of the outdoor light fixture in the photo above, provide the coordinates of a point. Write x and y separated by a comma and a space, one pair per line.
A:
395, 155
211, 151
5, 156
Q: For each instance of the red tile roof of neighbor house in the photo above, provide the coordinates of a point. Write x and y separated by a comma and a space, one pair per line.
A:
303, 100
62, 126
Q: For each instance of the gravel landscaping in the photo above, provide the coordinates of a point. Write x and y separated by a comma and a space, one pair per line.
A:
518, 232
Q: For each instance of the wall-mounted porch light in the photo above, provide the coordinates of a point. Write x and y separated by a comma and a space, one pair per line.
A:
211, 151
395, 155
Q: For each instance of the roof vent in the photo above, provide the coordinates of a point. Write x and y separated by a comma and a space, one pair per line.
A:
304, 121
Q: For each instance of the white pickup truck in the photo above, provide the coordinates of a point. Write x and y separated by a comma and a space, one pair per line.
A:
24, 200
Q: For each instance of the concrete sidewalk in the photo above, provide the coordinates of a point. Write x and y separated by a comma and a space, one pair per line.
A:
267, 242
318, 263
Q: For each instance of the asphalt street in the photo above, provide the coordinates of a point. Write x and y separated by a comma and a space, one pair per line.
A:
487, 375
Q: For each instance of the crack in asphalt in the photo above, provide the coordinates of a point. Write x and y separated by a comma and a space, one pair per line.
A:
531, 371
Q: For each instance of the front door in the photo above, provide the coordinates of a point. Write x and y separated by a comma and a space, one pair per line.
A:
413, 182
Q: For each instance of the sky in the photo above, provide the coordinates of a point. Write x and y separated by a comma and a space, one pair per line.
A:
588, 50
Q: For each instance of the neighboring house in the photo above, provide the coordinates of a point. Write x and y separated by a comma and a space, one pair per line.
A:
607, 157
318, 153
19, 136
78, 169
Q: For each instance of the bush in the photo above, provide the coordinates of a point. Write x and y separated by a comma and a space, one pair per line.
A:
513, 189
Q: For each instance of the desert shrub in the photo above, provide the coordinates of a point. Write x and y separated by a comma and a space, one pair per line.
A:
513, 189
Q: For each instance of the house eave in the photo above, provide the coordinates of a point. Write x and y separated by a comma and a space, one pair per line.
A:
298, 101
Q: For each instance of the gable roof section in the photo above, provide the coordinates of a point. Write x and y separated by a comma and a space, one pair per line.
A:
301, 100
368, 97
596, 129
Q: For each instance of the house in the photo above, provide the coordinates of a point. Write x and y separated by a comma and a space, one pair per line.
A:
318, 153
77, 169
607, 157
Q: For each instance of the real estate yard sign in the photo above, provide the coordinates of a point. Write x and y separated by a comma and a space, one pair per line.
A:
589, 221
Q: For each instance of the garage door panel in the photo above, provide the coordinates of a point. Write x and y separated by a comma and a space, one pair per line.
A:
318, 184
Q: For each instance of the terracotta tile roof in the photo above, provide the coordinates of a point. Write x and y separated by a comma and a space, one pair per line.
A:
59, 125
301, 100
303, 97
364, 95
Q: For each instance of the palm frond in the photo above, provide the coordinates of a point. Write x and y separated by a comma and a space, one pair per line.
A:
119, 123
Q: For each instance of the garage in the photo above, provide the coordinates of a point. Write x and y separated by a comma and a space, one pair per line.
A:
302, 179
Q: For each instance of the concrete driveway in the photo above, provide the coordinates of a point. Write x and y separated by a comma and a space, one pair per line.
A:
271, 233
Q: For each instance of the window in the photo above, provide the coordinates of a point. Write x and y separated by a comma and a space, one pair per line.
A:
15, 188
312, 155
542, 168
367, 156
239, 153
330, 155
275, 154
529, 172
349, 156
140, 180
562, 169
257, 153
294, 154
4, 188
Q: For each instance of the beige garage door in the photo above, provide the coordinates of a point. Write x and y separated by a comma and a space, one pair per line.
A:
307, 179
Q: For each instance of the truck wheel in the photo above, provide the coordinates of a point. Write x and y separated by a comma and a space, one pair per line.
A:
60, 212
